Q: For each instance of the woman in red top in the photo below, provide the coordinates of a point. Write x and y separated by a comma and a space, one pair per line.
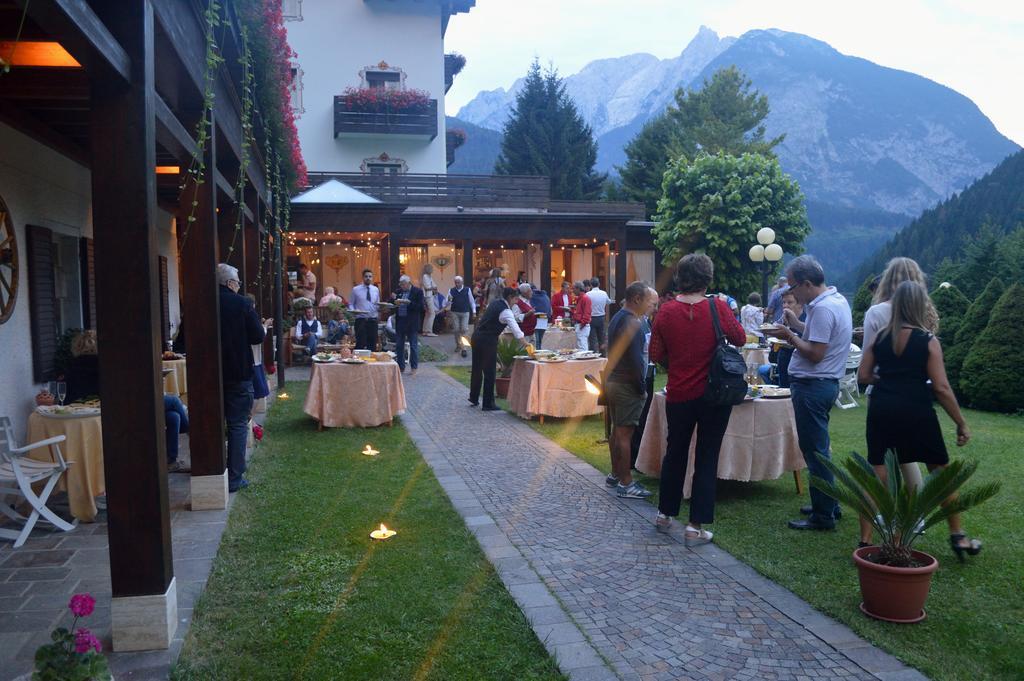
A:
683, 337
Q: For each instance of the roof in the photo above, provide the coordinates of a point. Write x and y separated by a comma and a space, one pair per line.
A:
333, 191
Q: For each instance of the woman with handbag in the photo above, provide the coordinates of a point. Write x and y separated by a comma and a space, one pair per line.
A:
688, 336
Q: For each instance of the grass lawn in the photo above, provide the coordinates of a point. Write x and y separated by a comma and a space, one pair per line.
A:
975, 624
300, 591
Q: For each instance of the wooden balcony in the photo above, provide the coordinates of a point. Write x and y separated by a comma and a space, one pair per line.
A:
407, 125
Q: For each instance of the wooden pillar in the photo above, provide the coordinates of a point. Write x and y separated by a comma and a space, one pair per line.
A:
202, 344
545, 267
621, 265
251, 264
231, 246
144, 605
394, 267
468, 273
278, 276
387, 244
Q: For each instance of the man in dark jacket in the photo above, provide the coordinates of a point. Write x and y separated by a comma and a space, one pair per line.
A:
240, 329
408, 318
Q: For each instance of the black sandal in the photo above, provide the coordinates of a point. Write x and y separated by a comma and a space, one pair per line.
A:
973, 547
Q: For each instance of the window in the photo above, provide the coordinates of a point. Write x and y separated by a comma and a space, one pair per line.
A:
379, 80
292, 10
384, 165
295, 88
382, 76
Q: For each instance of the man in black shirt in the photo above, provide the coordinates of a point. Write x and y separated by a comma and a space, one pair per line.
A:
240, 329
624, 387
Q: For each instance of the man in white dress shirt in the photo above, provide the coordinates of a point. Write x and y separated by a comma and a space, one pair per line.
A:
363, 302
496, 318
306, 287
598, 305
429, 291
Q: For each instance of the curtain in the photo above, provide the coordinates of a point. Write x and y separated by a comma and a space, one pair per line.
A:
582, 263
640, 267
415, 258
513, 263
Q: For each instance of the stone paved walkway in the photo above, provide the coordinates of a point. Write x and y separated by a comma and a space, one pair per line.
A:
609, 597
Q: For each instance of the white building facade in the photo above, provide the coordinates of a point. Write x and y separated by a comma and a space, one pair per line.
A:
388, 57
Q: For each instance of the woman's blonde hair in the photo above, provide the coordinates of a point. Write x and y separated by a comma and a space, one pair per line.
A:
84, 343
911, 307
896, 272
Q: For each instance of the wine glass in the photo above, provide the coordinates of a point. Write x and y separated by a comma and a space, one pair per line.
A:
62, 391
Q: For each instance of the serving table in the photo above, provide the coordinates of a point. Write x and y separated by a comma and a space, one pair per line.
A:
176, 382
558, 339
760, 443
345, 395
83, 449
555, 389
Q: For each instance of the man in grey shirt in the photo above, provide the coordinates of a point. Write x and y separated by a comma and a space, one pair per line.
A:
818, 363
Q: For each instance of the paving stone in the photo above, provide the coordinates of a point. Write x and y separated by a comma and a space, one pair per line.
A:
642, 599
31, 559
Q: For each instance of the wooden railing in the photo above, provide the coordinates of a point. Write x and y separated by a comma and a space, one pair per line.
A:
350, 123
450, 190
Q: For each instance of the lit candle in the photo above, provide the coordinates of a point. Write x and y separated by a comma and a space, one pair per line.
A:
370, 451
464, 341
283, 396
382, 533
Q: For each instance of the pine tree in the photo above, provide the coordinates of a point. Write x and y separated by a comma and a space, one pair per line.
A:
974, 322
951, 305
725, 115
546, 135
992, 374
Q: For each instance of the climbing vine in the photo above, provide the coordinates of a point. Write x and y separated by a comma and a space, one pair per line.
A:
247, 110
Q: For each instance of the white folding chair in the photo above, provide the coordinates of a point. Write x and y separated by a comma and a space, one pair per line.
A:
17, 475
849, 391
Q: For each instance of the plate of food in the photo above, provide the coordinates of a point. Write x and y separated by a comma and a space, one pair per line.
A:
586, 355
402, 301
543, 353
385, 305
769, 327
323, 358
552, 360
353, 360
774, 392
522, 357
70, 411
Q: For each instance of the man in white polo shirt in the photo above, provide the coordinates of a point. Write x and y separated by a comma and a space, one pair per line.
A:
598, 306
818, 363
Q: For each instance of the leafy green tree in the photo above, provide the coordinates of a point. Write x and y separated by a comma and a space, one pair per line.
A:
546, 135
716, 204
951, 304
974, 322
724, 115
862, 301
992, 375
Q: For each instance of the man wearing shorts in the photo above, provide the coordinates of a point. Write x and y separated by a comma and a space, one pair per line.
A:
624, 387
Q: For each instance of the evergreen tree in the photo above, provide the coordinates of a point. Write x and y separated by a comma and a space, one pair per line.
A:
862, 301
717, 204
545, 135
974, 322
992, 375
724, 115
951, 305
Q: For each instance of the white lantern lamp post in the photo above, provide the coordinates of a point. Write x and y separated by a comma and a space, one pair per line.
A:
765, 253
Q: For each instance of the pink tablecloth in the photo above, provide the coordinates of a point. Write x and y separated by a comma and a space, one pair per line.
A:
83, 449
355, 395
760, 442
553, 389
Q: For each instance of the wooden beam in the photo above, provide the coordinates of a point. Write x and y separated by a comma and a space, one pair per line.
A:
32, 126
201, 307
128, 317
83, 34
172, 134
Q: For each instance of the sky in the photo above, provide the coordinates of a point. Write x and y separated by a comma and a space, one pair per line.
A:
975, 47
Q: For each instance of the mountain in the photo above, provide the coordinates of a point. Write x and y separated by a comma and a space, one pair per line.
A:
479, 152
997, 199
871, 146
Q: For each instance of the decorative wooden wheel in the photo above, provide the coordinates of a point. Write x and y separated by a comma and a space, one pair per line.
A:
8, 265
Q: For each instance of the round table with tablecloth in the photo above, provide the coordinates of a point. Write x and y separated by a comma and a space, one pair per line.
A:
760, 443
83, 449
553, 388
355, 395
176, 381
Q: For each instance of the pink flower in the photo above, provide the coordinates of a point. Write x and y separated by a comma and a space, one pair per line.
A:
85, 642
82, 605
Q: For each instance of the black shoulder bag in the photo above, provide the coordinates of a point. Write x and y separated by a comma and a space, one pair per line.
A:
727, 383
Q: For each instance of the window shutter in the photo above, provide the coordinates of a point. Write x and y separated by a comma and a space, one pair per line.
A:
87, 256
42, 301
165, 305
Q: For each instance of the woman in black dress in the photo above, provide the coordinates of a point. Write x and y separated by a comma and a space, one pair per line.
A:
900, 414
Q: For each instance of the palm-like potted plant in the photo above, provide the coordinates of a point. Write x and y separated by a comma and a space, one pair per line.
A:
508, 348
894, 577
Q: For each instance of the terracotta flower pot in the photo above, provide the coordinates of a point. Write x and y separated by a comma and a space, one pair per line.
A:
894, 594
501, 386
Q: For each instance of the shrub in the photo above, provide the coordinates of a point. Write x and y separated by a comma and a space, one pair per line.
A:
992, 373
974, 322
951, 305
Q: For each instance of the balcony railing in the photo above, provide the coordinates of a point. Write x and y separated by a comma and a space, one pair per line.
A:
362, 123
